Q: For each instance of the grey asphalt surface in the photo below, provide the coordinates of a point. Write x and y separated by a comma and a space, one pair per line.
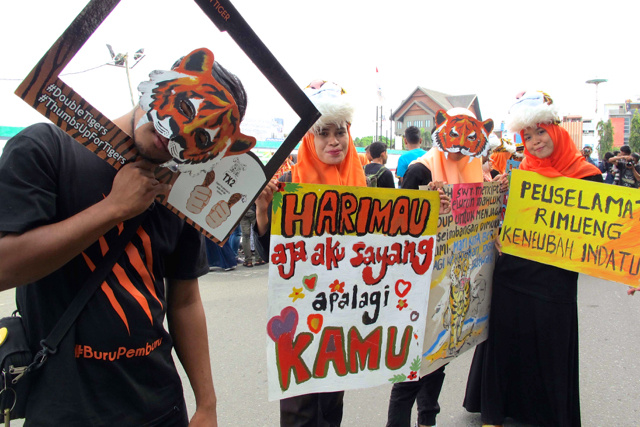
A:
235, 303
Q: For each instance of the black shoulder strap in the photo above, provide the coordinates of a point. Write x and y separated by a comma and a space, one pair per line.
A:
380, 171
50, 344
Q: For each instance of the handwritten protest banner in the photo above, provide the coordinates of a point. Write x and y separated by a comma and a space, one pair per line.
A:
460, 294
348, 286
577, 225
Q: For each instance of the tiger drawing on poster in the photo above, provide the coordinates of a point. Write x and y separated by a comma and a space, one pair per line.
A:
459, 298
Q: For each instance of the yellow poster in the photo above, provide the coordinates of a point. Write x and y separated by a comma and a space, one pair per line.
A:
577, 225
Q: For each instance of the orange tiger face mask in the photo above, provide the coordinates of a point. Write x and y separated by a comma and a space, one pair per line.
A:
195, 113
461, 133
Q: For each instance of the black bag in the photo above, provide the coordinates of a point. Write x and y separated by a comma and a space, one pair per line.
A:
17, 362
372, 180
15, 358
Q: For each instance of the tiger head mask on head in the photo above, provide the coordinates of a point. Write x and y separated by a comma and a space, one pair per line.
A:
195, 113
458, 131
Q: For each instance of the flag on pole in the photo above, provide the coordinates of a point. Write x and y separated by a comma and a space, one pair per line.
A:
379, 88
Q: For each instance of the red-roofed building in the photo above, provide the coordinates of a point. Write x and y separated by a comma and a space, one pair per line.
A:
420, 107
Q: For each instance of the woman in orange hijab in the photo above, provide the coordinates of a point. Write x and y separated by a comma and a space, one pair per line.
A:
326, 156
528, 367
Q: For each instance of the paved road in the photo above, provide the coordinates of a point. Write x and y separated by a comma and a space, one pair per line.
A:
235, 303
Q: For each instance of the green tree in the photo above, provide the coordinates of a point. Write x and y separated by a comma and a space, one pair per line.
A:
605, 137
427, 142
367, 140
634, 133
386, 140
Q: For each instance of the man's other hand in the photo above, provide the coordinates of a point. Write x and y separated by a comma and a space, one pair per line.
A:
632, 291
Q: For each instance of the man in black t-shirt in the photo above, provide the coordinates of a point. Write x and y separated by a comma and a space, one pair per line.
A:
62, 208
626, 174
625, 170
378, 152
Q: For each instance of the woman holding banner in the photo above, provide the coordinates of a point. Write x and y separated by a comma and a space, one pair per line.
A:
327, 156
528, 367
450, 161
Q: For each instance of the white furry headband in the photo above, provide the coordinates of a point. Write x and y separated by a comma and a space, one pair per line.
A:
332, 102
530, 109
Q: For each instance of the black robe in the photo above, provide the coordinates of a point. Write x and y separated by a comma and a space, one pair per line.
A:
528, 367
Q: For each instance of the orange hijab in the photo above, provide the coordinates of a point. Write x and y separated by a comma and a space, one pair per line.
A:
310, 170
363, 159
451, 172
565, 160
499, 160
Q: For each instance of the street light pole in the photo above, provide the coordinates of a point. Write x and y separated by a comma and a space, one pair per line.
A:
596, 82
122, 61
126, 67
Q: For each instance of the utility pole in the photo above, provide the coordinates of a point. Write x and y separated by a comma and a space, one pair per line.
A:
391, 128
376, 138
381, 122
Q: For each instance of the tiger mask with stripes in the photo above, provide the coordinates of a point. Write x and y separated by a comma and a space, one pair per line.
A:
198, 116
461, 133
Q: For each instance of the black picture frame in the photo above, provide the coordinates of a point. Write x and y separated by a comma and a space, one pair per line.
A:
113, 144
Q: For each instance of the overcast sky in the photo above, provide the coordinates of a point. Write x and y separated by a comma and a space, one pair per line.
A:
494, 49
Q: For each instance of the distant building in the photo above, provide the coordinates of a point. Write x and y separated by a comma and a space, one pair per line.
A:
573, 125
621, 115
263, 129
589, 135
420, 107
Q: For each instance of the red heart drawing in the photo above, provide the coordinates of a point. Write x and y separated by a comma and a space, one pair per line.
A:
407, 288
314, 321
309, 282
287, 322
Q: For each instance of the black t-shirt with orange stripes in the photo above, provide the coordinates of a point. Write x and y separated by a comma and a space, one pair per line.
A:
114, 367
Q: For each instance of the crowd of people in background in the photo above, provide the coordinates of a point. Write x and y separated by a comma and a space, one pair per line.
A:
618, 167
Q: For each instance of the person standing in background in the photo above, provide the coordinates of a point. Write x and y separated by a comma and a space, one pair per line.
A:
586, 152
378, 151
412, 142
607, 168
246, 223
